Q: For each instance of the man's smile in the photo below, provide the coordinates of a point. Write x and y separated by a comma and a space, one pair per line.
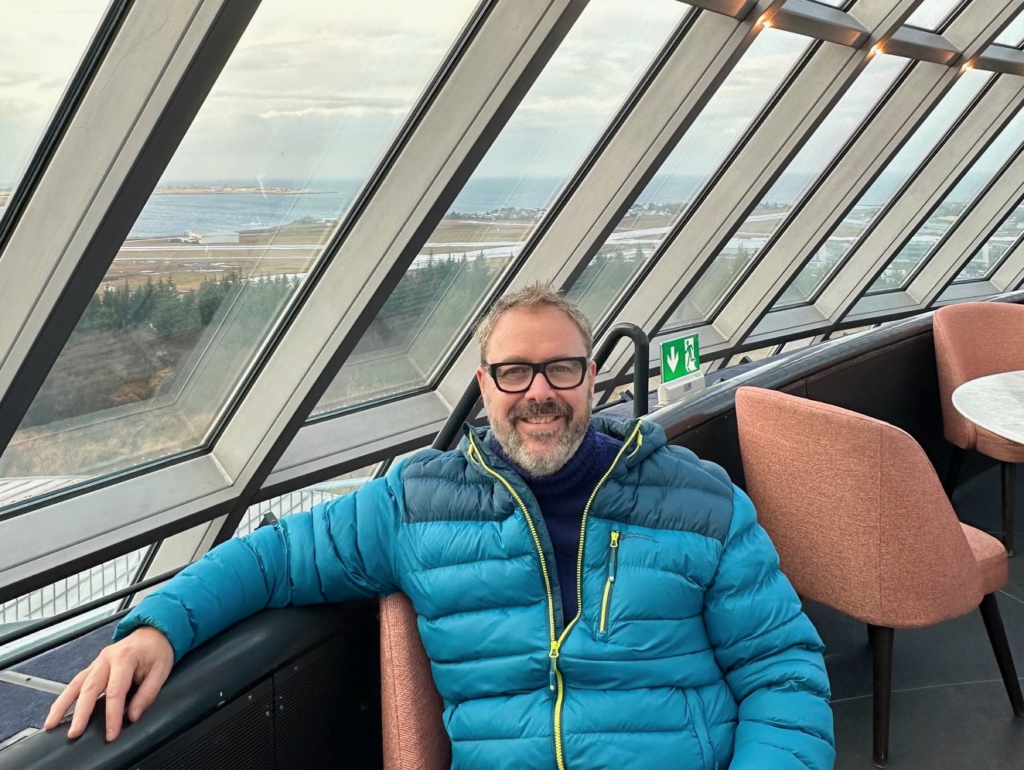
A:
540, 419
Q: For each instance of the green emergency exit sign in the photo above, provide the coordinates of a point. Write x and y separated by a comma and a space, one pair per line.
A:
679, 357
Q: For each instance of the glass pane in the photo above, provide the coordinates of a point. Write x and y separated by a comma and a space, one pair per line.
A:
66, 594
990, 255
796, 181
306, 106
884, 189
579, 91
958, 200
834, 3
42, 42
932, 13
1013, 35
304, 499
721, 125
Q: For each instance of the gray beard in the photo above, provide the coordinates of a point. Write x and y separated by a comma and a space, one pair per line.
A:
567, 443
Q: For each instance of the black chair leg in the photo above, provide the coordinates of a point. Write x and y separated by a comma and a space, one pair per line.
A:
956, 462
1009, 493
1001, 647
881, 647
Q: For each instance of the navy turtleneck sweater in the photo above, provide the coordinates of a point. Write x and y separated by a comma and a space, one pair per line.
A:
562, 497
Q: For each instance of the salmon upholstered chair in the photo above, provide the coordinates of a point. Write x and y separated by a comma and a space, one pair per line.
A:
976, 339
862, 524
411, 707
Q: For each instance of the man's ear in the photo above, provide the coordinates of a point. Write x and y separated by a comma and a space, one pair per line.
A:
480, 374
593, 368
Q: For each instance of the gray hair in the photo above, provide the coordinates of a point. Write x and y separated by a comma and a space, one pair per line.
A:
536, 295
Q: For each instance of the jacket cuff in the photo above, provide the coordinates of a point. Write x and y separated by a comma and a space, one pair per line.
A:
167, 616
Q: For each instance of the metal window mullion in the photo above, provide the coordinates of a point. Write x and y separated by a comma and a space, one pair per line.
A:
970, 232
493, 74
883, 18
326, 448
782, 133
977, 26
997, 58
629, 159
62, 115
1009, 275
800, 320
965, 292
52, 540
893, 125
920, 198
855, 171
803, 17
737, 9
886, 15
156, 74
584, 228
776, 142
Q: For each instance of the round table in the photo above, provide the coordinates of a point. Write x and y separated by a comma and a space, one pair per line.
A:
996, 403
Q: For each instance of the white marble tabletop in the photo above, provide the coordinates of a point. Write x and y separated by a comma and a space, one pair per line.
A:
996, 403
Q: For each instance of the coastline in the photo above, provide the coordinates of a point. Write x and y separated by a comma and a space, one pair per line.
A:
221, 190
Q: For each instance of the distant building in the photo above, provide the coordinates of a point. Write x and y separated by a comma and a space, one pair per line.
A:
213, 238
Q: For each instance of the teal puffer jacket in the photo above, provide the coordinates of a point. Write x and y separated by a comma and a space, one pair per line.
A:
690, 649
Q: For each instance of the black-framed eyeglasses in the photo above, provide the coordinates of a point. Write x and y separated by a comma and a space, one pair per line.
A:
518, 376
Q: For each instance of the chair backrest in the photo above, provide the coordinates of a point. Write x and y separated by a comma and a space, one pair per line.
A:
856, 512
972, 340
411, 707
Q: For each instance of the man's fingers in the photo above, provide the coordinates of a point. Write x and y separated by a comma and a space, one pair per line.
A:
64, 700
145, 656
92, 688
147, 692
121, 674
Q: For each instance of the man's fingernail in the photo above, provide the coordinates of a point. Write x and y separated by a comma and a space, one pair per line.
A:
110, 735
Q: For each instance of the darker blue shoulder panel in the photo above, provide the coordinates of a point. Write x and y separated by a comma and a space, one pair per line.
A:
673, 490
444, 486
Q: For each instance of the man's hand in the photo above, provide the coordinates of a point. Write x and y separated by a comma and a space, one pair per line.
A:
144, 657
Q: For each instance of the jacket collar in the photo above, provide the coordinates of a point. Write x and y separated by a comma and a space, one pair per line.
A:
640, 443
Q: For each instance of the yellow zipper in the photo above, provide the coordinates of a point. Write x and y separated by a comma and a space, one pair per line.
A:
555, 681
612, 569
473, 449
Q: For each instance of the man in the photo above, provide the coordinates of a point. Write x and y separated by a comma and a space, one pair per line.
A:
588, 596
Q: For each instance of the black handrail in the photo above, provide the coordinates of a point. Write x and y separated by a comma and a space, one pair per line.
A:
641, 361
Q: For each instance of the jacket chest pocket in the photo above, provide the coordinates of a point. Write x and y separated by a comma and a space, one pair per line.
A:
695, 709
609, 584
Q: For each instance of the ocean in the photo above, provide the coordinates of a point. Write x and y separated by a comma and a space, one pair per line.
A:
168, 215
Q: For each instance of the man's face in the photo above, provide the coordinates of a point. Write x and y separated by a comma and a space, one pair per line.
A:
541, 428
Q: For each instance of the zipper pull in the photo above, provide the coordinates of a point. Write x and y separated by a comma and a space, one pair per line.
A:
553, 655
614, 545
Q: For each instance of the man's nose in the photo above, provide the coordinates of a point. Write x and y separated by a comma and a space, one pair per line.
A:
540, 389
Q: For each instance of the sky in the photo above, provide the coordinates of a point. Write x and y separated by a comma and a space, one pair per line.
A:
321, 96
41, 42
317, 89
